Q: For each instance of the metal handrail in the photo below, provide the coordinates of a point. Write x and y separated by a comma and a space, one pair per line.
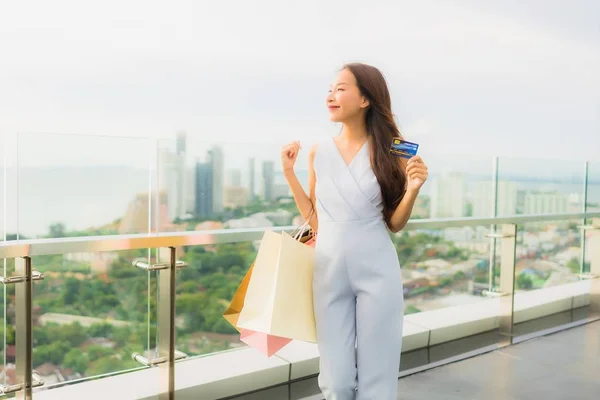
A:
90, 244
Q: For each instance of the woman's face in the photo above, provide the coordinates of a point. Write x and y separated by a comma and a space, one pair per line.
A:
345, 101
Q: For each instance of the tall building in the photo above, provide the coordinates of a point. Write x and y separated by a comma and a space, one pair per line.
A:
171, 179
545, 203
251, 179
204, 190
268, 180
483, 198
189, 189
217, 162
448, 196
177, 179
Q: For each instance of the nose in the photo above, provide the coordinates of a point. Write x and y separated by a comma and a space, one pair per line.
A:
330, 97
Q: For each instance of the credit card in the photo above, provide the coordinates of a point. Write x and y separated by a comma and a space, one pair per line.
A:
403, 148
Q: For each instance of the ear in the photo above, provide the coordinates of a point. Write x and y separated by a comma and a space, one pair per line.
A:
365, 103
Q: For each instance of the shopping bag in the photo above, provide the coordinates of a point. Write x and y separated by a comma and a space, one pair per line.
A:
263, 342
279, 297
237, 302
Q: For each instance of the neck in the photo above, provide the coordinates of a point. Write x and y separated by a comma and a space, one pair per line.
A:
355, 130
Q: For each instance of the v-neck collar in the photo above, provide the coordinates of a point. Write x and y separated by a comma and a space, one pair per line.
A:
339, 153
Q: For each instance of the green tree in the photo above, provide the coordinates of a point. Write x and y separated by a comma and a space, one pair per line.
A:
53, 353
77, 360
57, 230
100, 330
459, 275
445, 281
10, 335
95, 352
105, 365
573, 265
73, 333
71, 291
524, 282
188, 286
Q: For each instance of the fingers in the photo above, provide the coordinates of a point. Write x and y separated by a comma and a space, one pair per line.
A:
422, 177
291, 149
416, 168
415, 159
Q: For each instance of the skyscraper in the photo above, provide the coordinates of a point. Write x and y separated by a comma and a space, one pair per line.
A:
171, 179
217, 162
251, 179
204, 190
268, 177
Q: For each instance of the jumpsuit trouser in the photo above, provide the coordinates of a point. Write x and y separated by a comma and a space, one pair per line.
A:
358, 299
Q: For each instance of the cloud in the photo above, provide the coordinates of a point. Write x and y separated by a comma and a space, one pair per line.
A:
259, 70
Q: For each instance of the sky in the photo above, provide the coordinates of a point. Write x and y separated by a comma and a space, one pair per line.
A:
469, 79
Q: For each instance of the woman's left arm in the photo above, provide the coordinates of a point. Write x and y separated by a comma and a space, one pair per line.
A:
416, 175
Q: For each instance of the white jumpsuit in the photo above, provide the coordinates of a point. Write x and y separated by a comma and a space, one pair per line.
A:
358, 294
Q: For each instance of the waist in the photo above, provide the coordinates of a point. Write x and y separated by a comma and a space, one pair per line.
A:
369, 233
371, 223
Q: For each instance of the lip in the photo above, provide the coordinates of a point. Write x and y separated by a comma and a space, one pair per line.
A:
333, 107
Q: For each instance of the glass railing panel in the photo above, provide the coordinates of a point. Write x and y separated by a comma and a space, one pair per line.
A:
443, 267
593, 187
207, 186
547, 272
2, 261
592, 205
528, 186
76, 185
91, 313
548, 254
458, 186
3, 163
204, 290
9, 187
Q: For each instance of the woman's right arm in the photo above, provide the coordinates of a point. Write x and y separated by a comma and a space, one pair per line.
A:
304, 202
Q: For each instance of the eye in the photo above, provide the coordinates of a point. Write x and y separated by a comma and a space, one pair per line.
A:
340, 90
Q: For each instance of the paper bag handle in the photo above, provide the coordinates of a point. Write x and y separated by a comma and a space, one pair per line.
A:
297, 233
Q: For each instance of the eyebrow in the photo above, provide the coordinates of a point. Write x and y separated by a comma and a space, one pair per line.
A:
341, 83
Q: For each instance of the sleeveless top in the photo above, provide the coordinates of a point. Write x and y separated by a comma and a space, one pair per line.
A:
345, 193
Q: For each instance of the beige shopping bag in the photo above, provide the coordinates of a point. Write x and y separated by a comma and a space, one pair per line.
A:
279, 299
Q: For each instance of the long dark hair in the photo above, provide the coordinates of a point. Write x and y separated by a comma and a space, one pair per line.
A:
382, 130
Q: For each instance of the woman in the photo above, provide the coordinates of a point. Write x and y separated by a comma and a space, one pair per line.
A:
360, 191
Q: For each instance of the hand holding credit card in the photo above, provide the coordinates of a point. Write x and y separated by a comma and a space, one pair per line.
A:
403, 148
